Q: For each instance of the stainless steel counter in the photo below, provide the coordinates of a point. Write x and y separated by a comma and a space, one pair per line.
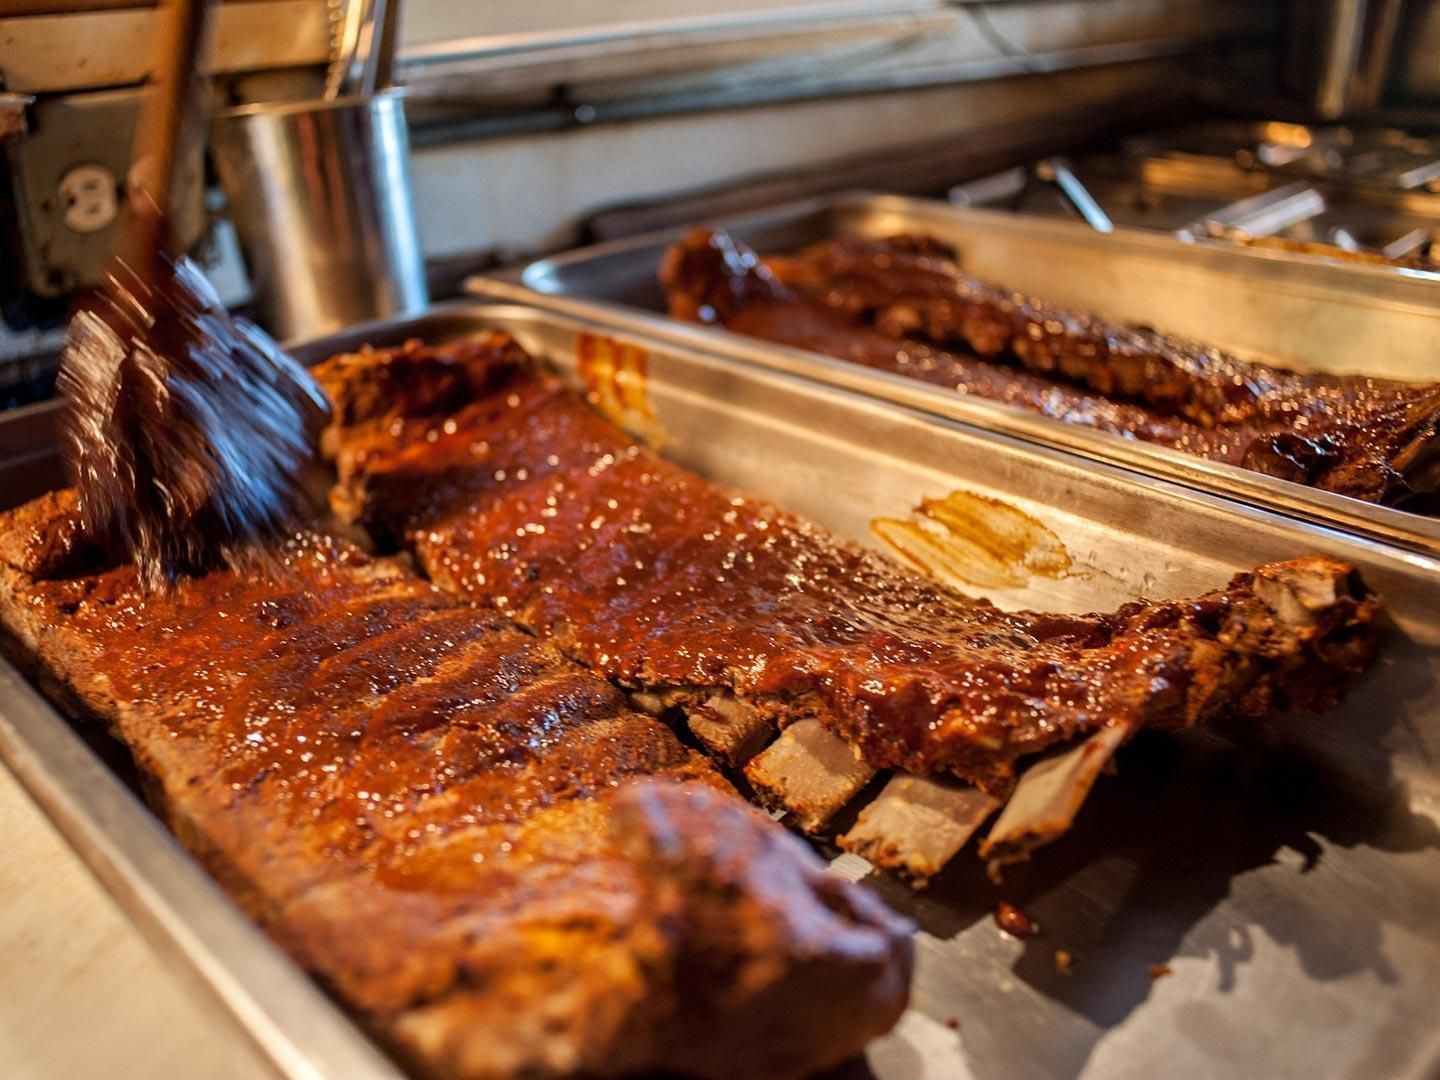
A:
81, 992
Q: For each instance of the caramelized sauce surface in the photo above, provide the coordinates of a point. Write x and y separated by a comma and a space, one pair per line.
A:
357, 701
529, 502
466, 836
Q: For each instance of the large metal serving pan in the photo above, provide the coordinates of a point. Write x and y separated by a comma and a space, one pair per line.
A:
1261, 304
1287, 873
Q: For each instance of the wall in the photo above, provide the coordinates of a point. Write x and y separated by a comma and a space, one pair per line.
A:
528, 193
694, 118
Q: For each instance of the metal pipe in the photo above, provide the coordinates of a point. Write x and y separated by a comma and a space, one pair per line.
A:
1344, 32
1261, 215
1058, 172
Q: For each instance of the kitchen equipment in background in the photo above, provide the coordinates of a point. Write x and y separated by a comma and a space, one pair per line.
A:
364, 59
1353, 195
319, 190
1348, 58
73, 75
320, 195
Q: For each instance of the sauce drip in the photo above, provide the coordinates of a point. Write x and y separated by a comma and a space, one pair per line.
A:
185, 431
1015, 922
614, 373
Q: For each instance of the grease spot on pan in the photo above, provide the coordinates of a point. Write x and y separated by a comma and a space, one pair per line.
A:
614, 374
975, 539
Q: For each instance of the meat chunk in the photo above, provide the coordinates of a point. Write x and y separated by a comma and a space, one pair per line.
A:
475, 843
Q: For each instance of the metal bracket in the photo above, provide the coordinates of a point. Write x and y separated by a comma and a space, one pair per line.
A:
14, 119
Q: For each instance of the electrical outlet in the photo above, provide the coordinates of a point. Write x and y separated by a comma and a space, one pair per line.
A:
88, 198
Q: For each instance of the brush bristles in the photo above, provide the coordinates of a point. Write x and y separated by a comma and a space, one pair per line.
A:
186, 431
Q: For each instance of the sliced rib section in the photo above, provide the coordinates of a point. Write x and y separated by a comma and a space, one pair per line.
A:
810, 772
1048, 797
472, 841
904, 305
527, 501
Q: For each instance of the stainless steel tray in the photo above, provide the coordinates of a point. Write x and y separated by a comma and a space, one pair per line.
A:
1297, 312
1287, 874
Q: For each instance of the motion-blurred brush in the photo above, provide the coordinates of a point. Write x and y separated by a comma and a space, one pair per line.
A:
186, 430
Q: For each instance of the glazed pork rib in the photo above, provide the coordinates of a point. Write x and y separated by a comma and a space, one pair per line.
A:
473, 842
749, 618
904, 305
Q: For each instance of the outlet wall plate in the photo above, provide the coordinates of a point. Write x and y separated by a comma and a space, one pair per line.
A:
68, 176
89, 198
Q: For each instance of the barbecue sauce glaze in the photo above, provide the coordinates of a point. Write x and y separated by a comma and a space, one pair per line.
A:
185, 431
902, 305
442, 817
527, 501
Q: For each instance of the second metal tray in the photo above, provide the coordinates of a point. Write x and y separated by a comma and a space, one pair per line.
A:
1281, 879
1301, 313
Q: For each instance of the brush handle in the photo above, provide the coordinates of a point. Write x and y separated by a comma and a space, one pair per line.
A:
170, 115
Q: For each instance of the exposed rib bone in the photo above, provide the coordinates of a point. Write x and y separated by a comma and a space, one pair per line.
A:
809, 771
655, 702
728, 728
916, 825
1048, 797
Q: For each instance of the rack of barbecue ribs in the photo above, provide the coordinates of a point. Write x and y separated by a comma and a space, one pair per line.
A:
903, 305
748, 620
473, 842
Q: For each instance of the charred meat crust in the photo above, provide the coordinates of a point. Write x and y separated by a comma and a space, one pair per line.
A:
473, 842
904, 305
527, 501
